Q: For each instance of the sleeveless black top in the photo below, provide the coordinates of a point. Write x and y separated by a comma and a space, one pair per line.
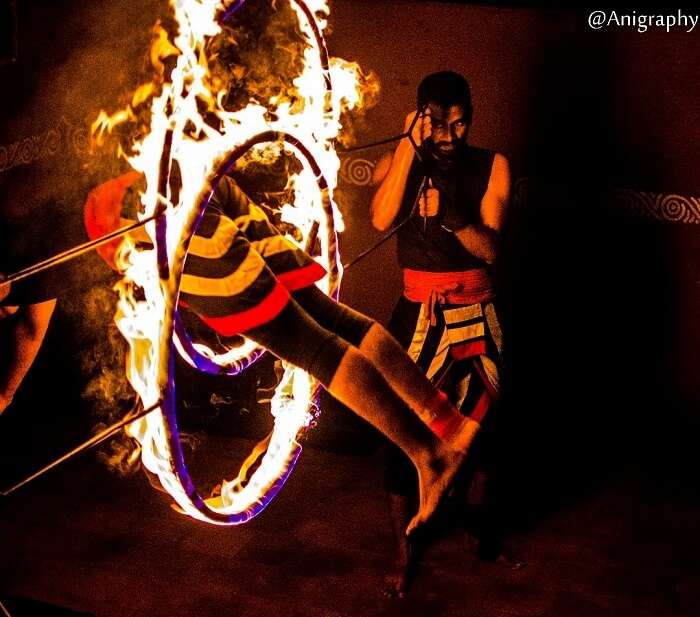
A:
429, 244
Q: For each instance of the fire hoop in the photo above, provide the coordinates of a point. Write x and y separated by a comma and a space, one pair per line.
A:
159, 435
227, 514
147, 314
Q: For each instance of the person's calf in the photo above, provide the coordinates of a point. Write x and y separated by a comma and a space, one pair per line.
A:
445, 421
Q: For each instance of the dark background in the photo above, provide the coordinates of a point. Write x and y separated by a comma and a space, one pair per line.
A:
8, 31
599, 300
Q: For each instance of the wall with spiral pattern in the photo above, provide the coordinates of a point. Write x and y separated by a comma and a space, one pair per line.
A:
668, 207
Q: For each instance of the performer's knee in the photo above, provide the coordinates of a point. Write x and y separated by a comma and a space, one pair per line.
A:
296, 338
327, 358
348, 323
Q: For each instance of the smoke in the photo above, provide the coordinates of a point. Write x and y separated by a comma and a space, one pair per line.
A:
89, 56
107, 391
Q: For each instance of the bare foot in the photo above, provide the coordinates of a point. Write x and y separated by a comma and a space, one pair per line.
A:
434, 478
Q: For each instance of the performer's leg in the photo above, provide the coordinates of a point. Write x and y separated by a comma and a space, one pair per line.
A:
351, 378
374, 341
385, 353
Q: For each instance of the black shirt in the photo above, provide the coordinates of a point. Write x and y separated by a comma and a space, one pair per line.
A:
429, 244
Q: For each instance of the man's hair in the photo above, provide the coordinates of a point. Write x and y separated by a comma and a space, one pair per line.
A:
446, 89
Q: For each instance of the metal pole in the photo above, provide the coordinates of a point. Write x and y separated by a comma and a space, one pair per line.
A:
76, 251
372, 144
4, 610
388, 235
93, 441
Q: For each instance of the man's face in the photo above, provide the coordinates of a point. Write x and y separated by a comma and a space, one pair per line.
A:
449, 129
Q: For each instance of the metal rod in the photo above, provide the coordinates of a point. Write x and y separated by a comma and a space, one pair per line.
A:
163, 186
381, 142
388, 235
409, 133
76, 251
375, 246
4, 610
93, 441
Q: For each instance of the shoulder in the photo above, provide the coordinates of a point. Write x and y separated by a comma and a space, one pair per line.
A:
500, 171
497, 195
490, 156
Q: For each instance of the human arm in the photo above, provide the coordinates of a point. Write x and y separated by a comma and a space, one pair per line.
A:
26, 329
482, 239
386, 202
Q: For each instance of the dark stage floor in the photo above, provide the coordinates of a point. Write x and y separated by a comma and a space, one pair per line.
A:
85, 540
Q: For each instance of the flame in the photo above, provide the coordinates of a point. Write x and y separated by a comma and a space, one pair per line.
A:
145, 307
161, 49
105, 123
142, 94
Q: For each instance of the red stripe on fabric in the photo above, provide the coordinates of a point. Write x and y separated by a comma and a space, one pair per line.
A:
468, 350
481, 407
302, 277
238, 323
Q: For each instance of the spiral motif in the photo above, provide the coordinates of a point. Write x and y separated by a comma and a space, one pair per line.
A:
674, 208
357, 171
671, 208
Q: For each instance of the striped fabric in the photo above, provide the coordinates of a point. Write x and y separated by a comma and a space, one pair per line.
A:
240, 268
461, 352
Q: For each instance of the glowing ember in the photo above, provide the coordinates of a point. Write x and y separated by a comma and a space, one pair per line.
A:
179, 136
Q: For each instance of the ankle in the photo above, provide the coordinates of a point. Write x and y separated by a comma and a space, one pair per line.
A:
442, 417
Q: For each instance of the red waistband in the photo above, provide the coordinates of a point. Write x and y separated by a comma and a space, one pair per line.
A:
432, 288
468, 287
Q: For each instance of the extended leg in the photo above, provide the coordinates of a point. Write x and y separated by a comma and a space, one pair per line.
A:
396, 367
351, 377
374, 341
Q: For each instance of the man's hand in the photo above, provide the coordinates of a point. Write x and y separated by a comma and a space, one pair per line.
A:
482, 239
422, 128
429, 202
393, 172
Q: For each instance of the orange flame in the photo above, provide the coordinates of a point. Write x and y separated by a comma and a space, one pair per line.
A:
197, 152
